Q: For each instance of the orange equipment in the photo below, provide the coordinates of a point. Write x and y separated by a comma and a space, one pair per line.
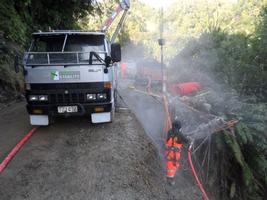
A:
184, 88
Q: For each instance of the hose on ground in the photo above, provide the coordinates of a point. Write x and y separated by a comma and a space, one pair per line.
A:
9, 157
199, 183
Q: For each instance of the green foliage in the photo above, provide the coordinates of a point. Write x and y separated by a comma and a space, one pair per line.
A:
245, 137
234, 56
139, 29
58, 14
229, 58
251, 164
11, 23
18, 19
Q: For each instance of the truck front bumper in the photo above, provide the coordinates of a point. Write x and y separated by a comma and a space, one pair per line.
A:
83, 109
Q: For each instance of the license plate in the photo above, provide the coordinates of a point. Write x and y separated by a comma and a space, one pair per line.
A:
67, 109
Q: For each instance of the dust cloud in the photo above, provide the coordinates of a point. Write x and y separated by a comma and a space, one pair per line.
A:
205, 108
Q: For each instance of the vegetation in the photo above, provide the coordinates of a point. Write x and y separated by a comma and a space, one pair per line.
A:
18, 19
222, 44
227, 52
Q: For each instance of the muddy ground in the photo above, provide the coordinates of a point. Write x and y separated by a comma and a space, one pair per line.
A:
73, 159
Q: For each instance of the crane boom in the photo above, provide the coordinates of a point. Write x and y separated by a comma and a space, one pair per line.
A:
123, 5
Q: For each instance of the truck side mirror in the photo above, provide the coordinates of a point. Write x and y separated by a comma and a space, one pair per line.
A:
16, 64
116, 52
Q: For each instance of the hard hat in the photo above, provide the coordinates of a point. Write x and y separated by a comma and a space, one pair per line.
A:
176, 124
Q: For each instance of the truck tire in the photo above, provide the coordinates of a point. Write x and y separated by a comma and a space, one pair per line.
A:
112, 115
115, 98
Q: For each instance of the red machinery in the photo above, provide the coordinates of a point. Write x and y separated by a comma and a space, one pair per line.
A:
184, 88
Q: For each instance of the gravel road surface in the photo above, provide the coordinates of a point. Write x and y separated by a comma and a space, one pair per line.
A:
73, 159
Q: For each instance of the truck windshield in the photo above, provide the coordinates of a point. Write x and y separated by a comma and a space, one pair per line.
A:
85, 43
74, 43
59, 49
48, 43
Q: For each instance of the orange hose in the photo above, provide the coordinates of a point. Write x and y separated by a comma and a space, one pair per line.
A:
9, 157
205, 196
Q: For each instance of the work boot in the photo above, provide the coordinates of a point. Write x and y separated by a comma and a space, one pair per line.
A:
170, 181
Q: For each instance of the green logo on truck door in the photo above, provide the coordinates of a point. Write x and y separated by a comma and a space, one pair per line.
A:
65, 75
54, 75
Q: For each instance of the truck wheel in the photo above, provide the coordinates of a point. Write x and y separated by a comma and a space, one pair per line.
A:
115, 98
112, 115
51, 120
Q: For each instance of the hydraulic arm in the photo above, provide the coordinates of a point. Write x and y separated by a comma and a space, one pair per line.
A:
123, 6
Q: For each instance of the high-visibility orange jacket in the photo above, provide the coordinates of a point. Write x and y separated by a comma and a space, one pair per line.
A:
173, 154
123, 70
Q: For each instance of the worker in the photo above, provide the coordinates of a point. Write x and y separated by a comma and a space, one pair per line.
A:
174, 144
123, 70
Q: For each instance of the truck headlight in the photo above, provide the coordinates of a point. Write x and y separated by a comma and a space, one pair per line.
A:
91, 96
43, 97
33, 98
102, 96
38, 97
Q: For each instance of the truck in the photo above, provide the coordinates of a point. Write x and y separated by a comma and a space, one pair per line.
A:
72, 73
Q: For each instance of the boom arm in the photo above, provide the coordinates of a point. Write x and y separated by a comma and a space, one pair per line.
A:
123, 5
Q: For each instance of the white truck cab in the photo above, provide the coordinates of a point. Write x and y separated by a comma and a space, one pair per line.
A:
70, 73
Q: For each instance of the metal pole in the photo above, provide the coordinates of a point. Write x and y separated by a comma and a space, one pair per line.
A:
161, 43
162, 70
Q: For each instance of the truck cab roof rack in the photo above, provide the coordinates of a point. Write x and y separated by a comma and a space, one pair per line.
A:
69, 32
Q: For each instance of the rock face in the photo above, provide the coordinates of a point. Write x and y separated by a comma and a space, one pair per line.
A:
11, 84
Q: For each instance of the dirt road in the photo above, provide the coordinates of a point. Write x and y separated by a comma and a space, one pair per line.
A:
73, 159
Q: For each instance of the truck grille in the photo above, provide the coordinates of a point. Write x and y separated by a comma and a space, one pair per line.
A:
63, 93
62, 86
67, 98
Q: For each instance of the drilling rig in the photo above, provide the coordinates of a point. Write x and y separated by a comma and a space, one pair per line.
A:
72, 72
